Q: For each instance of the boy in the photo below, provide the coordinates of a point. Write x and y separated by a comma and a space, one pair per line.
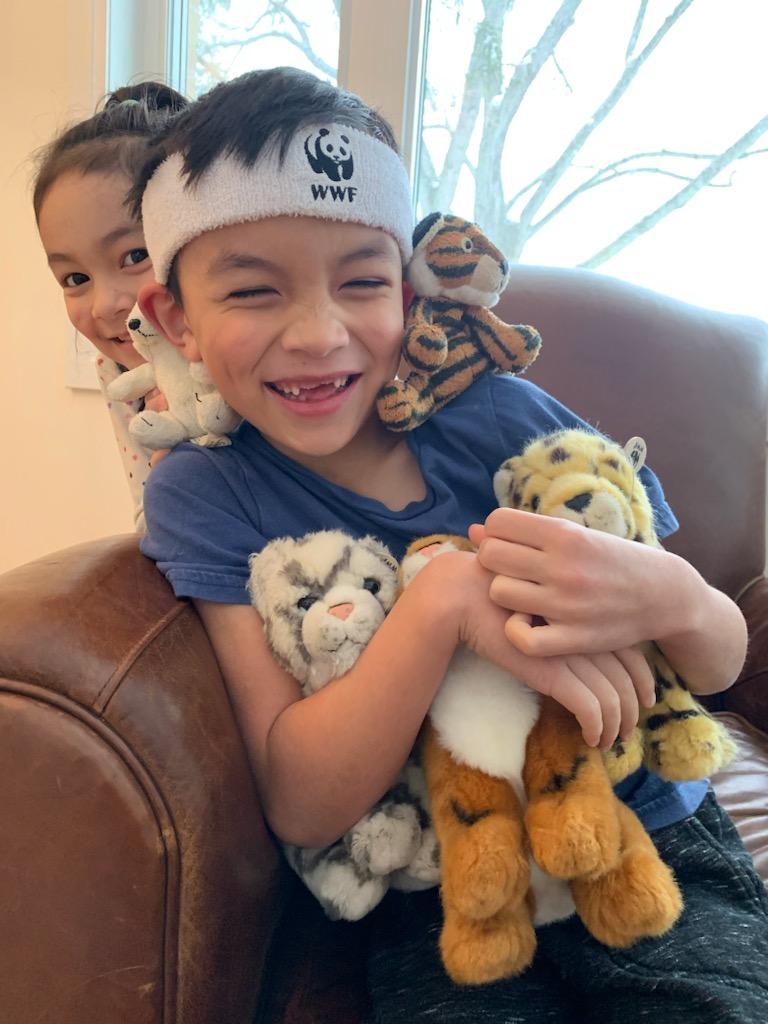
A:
278, 218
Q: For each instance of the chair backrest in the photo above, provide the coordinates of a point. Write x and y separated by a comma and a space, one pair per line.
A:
692, 382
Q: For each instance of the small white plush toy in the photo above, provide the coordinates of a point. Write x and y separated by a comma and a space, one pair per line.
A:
322, 597
196, 411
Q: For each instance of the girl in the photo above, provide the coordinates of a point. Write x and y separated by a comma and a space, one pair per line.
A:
95, 247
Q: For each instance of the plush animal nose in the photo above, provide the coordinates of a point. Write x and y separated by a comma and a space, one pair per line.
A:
579, 502
134, 323
430, 550
341, 611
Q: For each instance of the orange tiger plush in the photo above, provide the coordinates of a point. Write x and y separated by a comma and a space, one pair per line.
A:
451, 335
529, 827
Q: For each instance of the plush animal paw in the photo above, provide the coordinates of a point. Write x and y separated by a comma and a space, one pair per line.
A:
572, 837
157, 430
386, 839
348, 895
484, 867
682, 741
478, 952
638, 898
423, 870
624, 757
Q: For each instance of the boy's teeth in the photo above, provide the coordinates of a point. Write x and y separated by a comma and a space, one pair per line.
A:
295, 390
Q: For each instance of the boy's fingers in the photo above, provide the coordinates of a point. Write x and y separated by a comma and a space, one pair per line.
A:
637, 666
581, 702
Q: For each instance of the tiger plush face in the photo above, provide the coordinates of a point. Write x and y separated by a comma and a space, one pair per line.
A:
580, 476
453, 259
322, 597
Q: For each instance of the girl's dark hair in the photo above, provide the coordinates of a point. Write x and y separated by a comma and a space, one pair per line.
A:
260, 109
114, 138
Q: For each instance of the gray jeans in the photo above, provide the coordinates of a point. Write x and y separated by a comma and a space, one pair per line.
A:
712, 968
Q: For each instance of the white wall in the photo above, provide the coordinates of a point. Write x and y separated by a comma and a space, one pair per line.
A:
61, 481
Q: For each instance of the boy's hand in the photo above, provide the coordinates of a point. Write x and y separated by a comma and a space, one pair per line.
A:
578, 589
603, 691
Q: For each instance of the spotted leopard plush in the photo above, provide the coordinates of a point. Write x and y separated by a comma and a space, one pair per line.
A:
322, 597
586, 478
451, 336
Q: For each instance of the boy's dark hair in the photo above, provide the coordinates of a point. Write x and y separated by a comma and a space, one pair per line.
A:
258, 110
114, 138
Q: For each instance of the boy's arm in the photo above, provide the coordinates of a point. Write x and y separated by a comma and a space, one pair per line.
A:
598, 592
323, 760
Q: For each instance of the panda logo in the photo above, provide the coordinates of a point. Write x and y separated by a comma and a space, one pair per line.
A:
329, 153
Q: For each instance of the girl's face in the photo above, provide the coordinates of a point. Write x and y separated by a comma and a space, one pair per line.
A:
96, 252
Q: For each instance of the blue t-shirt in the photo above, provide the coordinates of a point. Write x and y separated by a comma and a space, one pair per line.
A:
209, 509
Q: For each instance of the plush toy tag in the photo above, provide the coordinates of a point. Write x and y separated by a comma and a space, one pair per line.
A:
636, 450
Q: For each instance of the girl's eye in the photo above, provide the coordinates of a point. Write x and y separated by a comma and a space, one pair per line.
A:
371, 585
74, 280
306, 602
134, 257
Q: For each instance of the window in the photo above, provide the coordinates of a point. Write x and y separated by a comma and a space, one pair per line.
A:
631, 137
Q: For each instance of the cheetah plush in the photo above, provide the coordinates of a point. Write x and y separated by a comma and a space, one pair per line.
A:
451, 335
528, 824
584, 477
321, 598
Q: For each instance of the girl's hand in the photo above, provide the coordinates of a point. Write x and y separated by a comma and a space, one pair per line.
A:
593, 591
155, 401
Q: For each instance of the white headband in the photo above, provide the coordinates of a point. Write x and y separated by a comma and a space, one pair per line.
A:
334, 172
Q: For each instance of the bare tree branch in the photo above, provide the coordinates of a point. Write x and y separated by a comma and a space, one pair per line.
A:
550, 178
276, 11
498, 116
636, 29
645, 224
617, 169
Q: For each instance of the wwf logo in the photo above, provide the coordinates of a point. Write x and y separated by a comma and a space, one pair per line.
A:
328, 152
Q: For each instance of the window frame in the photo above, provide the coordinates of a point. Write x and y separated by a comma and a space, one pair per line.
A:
148, 39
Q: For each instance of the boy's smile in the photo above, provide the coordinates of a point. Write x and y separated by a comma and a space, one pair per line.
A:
299, 322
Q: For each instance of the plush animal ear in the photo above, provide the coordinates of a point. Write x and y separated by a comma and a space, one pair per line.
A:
507, 480
263, 567
418, 274
375, 546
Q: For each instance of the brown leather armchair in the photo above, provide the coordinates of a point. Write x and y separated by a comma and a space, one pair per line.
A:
139, 883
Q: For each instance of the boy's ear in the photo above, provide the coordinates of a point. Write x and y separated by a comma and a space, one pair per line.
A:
167, 316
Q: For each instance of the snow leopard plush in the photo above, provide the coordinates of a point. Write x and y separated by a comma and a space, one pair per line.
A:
321, 598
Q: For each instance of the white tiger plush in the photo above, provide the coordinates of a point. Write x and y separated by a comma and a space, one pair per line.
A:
322, 597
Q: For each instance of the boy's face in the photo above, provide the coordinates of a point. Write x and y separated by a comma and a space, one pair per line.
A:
299, 322
96, 252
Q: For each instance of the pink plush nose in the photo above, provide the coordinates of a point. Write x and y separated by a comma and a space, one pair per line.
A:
430, 550
341, 611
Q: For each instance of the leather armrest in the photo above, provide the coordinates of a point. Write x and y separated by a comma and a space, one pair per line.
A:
139, 879
749, 694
